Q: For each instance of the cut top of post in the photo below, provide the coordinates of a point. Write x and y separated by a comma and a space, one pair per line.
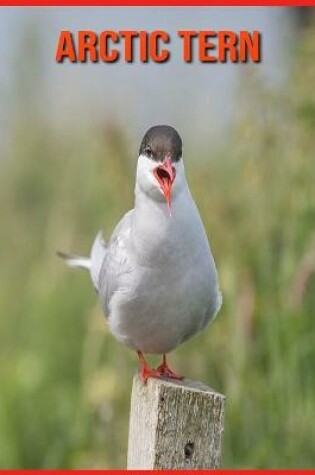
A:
175, 424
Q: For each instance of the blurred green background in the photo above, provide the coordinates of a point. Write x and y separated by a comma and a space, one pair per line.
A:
64, 381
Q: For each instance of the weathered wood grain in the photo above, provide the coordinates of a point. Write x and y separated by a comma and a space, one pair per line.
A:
175, 425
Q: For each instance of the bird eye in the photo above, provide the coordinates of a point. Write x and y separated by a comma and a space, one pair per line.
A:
148, 152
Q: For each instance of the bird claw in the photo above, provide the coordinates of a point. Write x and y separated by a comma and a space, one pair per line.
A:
146, 372
162, 372
166, 373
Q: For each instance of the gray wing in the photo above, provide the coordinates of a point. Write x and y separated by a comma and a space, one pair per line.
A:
213, 309
116, 266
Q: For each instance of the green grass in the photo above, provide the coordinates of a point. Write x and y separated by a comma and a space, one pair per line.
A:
65, 381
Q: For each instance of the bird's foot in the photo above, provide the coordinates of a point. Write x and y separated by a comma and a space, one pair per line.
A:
164, 371
145, 372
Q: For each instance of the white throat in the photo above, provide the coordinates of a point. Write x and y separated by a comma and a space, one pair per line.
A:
155, 232
147, 183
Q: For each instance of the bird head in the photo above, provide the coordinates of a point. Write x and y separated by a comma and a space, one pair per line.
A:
160, 172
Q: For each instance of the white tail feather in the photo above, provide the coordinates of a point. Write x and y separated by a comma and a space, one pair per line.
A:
75, 261
92, 264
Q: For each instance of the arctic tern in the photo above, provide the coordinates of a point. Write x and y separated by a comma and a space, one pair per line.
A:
156, 278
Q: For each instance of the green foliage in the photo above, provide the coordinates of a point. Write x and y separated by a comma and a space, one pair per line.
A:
65, 381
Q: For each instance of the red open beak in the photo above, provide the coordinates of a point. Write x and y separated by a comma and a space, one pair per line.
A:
165, 175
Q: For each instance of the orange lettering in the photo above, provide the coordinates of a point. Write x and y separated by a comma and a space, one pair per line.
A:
106, 55
187, 35
157, 55
65, 47
87, 41
129, 36
249, 45
143, 46
205, 45
227, 42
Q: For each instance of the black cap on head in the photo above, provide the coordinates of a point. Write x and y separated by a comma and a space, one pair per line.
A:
160, 141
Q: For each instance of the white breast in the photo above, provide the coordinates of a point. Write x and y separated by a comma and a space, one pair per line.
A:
170, 290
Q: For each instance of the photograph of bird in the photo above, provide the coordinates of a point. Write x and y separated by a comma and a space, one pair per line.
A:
156, 278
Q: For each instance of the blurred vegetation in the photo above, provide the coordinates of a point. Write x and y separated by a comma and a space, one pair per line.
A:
65, 381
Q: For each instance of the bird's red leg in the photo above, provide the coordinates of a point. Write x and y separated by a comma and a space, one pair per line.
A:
145, 371
164, 370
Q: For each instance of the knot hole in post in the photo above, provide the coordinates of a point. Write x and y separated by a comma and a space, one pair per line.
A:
189, 450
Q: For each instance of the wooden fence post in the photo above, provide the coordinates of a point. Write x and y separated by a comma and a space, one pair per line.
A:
175, 425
